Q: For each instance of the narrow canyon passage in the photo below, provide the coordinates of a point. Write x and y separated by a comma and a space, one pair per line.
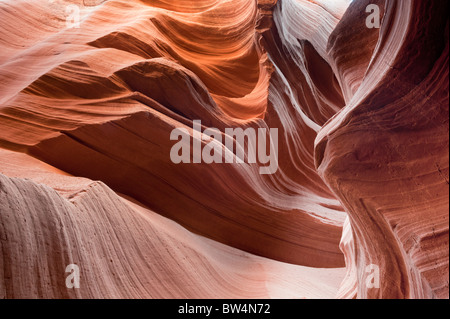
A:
91, 92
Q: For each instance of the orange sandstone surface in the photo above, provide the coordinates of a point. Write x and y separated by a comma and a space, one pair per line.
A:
86, 177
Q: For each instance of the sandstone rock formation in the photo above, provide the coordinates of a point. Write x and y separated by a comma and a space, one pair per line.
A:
385, 155
86, 113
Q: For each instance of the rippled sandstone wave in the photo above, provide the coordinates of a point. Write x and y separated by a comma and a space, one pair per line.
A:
86, 177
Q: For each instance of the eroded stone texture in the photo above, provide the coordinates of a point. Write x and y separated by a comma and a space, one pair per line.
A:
86, 115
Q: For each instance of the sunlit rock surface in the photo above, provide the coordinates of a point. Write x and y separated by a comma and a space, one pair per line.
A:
86, 178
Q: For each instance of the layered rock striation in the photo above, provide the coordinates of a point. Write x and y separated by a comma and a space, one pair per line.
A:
86, 115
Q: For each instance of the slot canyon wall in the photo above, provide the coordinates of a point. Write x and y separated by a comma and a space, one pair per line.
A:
86, 177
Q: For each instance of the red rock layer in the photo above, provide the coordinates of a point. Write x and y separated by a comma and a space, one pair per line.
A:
132, 73
123, 249
362, 116
385, 155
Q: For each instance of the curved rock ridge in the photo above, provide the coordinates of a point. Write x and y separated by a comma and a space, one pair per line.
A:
133, 72
86, 115
123, 249
385, 155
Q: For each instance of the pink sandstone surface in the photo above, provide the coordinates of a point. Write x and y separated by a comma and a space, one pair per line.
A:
363, 170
